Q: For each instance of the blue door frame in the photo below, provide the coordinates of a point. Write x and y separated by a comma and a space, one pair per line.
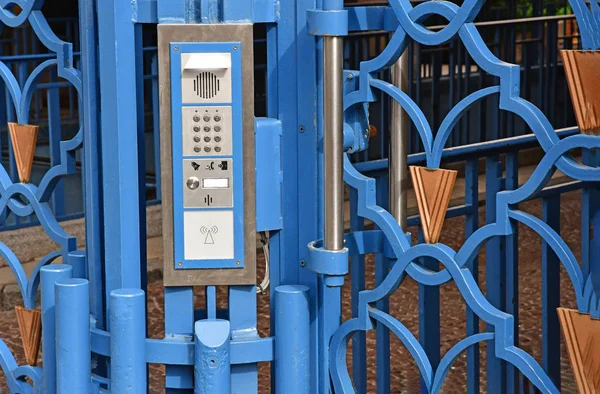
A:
111, 351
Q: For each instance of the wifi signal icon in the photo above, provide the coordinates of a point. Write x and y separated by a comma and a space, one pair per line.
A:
209, 240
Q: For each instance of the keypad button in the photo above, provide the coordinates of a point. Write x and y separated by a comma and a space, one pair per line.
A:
196, 139
196, 128
217, 118
217, 149
207, 149
196, 149
206, 118
217, 139
206, 139
196, 118
217, 128
207, 128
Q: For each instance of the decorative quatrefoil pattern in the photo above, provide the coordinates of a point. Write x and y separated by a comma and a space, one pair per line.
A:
455, 263
26, 199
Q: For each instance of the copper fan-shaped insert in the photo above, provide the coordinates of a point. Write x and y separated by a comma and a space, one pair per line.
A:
30, 328
582, 337
433, 189
582, 69
24, 139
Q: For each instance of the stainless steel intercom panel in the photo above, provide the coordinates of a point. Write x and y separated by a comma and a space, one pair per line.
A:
207, 154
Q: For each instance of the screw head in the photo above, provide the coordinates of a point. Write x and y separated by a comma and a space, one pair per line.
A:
180, 264
238, 263
235, 48
302, 129
302, 263
350, 76
175, 48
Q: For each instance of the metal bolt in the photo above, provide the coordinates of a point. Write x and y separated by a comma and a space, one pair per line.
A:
176, 48
350, 76
302, 129
180, 264
302, 263
238, 263
235, 48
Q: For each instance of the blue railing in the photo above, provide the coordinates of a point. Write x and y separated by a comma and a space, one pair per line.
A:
443, 77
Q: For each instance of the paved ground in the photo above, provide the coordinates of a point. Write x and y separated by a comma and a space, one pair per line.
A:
403, 305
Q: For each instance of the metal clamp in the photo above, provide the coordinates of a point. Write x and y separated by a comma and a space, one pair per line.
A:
327, 23
331, 263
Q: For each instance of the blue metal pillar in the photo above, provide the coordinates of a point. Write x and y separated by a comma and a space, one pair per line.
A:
128, 341
116, 43
73, 367
292, 324
49, 275
212, 363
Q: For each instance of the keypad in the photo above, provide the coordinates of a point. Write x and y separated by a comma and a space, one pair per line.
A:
211, 123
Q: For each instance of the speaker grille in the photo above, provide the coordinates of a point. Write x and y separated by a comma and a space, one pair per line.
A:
207, 85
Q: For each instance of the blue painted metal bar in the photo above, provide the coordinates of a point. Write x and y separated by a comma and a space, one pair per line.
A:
292, 361
128, 341
357, 274
119, 144
513, 377
495, 272
551, 294
77, 260
213, 368
382, 333
73, 367
242, 317
179, 325
156, 127
49, 276
472, 224
55, 136
211, 302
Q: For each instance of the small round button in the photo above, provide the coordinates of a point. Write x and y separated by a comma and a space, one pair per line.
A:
207, 139
217, 128
196, 128
206, 118
207, 149
196, 149
217, 139
193, 183
196, 118
217, 149
207, 128
217, 118
196, 139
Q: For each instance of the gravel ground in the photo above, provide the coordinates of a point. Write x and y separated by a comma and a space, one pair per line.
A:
404, 306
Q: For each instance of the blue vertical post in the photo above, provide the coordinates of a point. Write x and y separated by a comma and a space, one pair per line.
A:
179, 323
128, 341
242, 317
212, 363
382, 345
73, 366
77, 260
495, 273
513, 377
49, 276
551, 294
117, 65
357, 272
292, 323
472, 224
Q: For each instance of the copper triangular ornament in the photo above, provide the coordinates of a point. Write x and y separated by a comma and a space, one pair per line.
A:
433, 189
582, 337
24, 139
582, 69
30, 327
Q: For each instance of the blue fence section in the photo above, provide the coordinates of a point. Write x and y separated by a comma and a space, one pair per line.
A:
444, 75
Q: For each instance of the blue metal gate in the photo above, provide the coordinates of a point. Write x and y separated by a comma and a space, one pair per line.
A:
316, 130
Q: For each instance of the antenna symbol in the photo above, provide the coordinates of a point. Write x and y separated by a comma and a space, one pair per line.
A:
209, 240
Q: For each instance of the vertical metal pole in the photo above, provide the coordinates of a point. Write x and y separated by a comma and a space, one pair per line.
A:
49, 276
212, 363
128, 341
73, 366
292, 325
333, 142
398, 157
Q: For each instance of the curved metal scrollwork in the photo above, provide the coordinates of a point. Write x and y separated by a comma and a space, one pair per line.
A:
408, 257
37, 197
